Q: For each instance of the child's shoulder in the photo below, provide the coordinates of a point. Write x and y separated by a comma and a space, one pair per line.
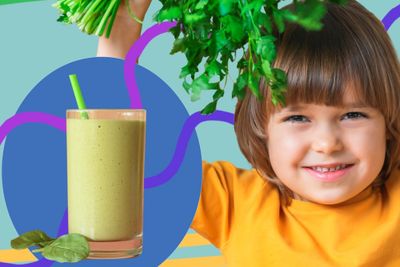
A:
224, 166
231, 177
228, 170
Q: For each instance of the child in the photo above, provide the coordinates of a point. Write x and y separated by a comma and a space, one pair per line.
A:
325, 188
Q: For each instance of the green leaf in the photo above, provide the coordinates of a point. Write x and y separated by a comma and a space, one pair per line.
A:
279, 75
176, 31
32, 238
310, 14
214, 68
194, 18
203, 83
253, 85
201, 4
310, 24
202, 34
279, 20
188, 70
265, 47
278, 97
266, 67
253, 6
218, 94
186, 86
220, 40
178, 46
225, 7
278, 86
67, 248
265, 21
243, 63
185, 71
172, 13
210, 108
240, 86
288, 15
196, 92
233, 26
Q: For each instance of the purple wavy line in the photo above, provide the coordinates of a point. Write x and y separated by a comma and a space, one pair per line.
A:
29, 117
34, 117
187, 130
133, 56
391, 17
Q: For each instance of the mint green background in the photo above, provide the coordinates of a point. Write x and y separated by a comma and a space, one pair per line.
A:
33, 44
5, 2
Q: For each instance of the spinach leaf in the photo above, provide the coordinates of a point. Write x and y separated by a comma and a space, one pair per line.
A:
67, 248
32, 238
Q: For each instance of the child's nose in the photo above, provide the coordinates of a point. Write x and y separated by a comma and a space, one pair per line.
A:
327, 140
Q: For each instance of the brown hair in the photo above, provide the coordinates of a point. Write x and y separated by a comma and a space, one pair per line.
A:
352, 50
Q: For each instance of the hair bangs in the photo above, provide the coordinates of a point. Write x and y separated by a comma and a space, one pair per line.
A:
318, 74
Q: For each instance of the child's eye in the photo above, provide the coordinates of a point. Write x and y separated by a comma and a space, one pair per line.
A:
296, 118
354, 115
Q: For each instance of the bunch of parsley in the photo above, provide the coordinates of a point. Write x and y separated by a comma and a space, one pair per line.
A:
215, 30
211, 32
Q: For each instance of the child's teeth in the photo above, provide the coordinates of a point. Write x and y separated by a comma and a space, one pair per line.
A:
321, 169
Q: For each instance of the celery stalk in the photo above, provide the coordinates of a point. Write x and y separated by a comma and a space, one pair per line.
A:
91, 16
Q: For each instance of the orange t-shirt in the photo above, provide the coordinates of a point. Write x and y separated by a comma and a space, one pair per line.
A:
241, 213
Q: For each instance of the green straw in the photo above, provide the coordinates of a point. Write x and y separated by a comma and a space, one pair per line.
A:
78, 95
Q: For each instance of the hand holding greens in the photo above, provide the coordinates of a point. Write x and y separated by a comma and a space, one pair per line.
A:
67, 248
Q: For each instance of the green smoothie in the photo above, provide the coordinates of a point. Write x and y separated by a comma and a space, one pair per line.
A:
105, 178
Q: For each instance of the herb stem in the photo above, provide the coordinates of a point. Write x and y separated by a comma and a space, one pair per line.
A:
110, 24
103, 22
250, 65
131, 12
90, 11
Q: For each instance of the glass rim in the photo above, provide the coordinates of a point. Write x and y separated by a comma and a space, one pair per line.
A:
106, 110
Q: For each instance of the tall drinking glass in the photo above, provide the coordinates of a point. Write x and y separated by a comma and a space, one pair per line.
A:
105, 162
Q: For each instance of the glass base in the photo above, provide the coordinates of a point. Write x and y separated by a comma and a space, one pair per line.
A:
115, 249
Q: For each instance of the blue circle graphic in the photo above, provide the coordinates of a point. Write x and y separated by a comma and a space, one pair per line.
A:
34, 160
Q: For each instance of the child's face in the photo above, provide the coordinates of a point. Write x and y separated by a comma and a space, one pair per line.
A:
316, 135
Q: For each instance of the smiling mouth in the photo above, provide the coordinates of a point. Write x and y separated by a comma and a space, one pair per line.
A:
329, 173
323, 169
